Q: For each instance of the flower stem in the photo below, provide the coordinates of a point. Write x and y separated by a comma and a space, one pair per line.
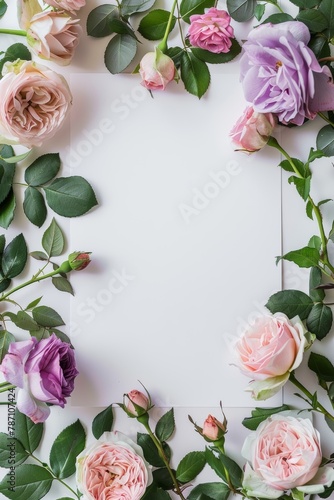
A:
5, 386
165, 459
13, 32
163, 44
34, 279
318, 406
274, 143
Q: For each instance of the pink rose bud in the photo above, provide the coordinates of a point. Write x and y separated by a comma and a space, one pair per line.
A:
79, 260
139, 399
252, 130
156, 70
211, 31
213, 429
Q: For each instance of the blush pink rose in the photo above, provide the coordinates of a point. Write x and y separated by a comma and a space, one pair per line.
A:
252, 131
34, 103
211, 31
137, 398
44, 372
54, 36
69, 5
268, 351
113, 468
213, 429
156, 70
283, 453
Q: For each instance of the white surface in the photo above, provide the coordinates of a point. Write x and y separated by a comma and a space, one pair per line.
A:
165, 297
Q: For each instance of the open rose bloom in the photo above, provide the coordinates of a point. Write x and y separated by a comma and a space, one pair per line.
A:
69, 5
113, 468
43, 371
211, 31
34, 103
284, 454
268, 351
280, 74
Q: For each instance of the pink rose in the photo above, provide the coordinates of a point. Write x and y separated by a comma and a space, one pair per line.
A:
34, 103
252, 131
113, 468
44, 371
69, 5
268, 351
54, 36
211, 31
139, 399
156, 70
284, 453
213, 429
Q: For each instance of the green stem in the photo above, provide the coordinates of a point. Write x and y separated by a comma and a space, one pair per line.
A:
324, 117
275, 4
53, 475
13, 32
5, 386
34, 279
319, 408
165, 460
163, 44
274, 143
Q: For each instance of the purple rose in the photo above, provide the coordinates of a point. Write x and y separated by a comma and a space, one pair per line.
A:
281, 75
44, 371
211, 31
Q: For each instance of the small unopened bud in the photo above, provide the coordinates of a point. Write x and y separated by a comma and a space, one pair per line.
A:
213, 429
138, 403
79, 260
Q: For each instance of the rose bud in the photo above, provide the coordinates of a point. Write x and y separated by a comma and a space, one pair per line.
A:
79, 260
156, 70
213, 429
138, 403
252, 130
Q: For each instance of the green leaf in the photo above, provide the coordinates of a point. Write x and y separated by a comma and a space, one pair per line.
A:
16, 158
321, 366
33, 303
103, 422
234, 471
32, 482
194, 74
325, 140
39, 255
98, 20
18, 51
34, 206
119, 53
309, 210
320, 320
3, 8
41, 333
42, 170
330, 424
12, 453
70, 196
278, 18
62, 284
2, 243
215, 464
5, 339
190, 466
162, 478
165, 426
190, 7
306, 4
154, 24
259, 11
315, 279
210, 57
7, 210
24, 320
153, 492
314, 20
121, 27
14, 257
53, 240
303, 186
241, 10
129, 7
65, 449
7, 172
261, 414
216, 491
28, 433
326, 7
150, 451
4, 283
304, 257
46, 316
290, 302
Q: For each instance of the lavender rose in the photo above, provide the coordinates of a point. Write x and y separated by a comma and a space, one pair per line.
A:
54, 36
34, 103
44, 371
281, 75
211, 31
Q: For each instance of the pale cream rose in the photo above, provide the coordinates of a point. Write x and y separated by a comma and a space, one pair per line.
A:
54, 36
34, 103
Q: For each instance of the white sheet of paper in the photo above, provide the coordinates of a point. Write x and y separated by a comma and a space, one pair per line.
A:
183, 241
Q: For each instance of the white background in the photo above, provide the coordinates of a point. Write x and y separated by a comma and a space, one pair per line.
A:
183, 246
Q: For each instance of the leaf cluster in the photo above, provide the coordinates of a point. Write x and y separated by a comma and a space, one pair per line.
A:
190, 62
67, 196
33, 482
15, 51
